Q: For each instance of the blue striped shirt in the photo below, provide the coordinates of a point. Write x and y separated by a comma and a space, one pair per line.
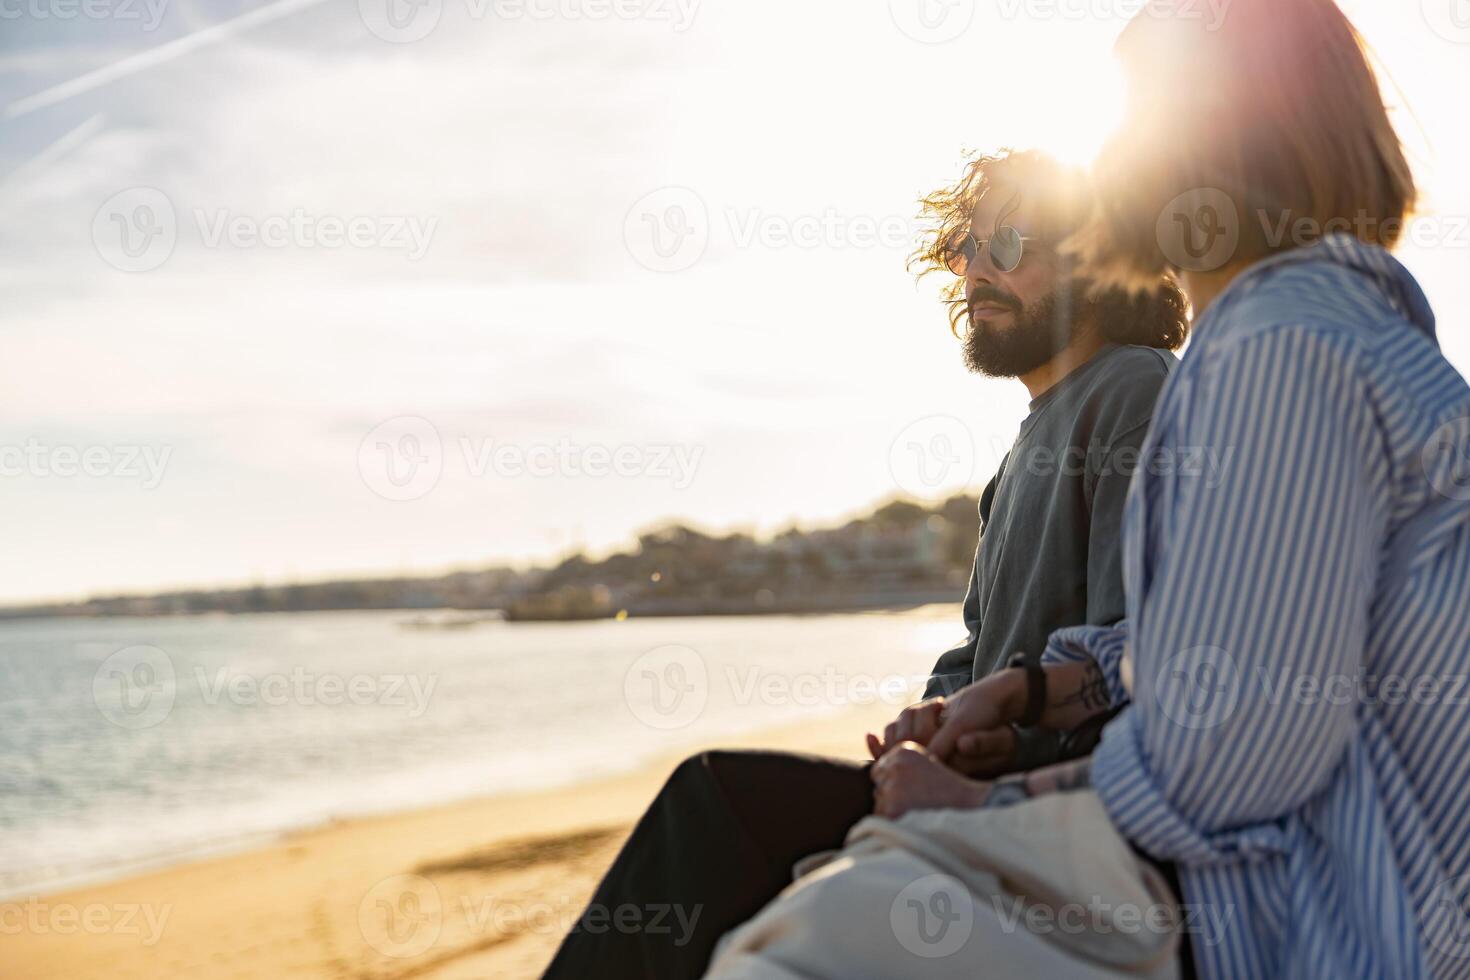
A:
1298, 632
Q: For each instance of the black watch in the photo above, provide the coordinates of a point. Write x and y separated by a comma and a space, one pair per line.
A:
1035, 688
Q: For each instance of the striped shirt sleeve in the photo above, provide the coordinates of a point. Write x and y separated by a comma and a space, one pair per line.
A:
1254, 608
1107, 645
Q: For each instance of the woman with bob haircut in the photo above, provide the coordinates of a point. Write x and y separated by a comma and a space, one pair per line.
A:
1290, 737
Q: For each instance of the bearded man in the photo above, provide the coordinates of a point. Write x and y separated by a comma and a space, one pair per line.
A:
720, 839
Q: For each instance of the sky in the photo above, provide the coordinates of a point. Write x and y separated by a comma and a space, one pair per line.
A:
323, 287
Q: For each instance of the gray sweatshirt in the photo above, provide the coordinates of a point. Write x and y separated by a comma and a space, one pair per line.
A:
1051, 519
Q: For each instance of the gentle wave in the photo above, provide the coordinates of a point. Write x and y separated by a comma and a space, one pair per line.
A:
131, 743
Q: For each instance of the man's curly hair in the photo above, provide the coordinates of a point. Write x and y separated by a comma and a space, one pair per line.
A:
1058, 203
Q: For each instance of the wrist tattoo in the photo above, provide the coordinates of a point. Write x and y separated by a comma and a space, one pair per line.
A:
1092, 695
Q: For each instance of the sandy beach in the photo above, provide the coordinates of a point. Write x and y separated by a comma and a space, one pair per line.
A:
494, 883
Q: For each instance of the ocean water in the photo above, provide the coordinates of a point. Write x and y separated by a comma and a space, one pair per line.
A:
127, 743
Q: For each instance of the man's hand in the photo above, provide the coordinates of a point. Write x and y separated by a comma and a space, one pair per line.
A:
985, 755
910, 778
916, 723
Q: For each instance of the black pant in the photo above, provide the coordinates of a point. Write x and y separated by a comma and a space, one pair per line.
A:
717, 843
714, 848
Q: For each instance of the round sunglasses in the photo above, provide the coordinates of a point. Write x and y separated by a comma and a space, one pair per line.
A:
1006, 248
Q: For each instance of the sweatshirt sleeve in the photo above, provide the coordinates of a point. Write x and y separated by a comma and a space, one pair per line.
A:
956, 667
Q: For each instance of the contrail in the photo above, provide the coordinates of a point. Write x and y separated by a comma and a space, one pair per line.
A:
153, 57
53, 152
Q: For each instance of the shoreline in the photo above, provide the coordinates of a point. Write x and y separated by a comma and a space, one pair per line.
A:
506, 874
99, 874
835, 604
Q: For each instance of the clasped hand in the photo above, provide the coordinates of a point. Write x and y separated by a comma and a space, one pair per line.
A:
969, 732
926, 756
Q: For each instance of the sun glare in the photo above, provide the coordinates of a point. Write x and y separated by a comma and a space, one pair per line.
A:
1071, 121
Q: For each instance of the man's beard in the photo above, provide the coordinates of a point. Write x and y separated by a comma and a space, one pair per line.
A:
1037, 334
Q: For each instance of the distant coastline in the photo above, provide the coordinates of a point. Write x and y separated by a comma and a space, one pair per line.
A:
900, 555
450, 617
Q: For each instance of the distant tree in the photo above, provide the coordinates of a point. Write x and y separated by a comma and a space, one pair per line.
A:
900, 514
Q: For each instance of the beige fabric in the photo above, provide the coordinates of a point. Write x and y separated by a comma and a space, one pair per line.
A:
1045, 889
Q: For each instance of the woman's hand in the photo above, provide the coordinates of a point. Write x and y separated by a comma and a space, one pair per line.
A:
975, 726
971, 731
978, 719
909, 778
